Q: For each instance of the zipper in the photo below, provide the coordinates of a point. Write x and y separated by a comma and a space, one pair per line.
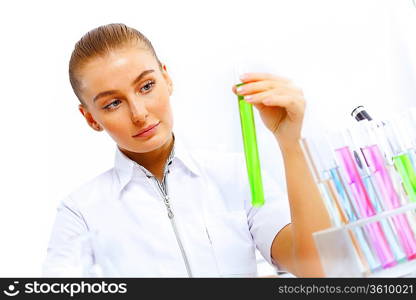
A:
209, 237
162, 187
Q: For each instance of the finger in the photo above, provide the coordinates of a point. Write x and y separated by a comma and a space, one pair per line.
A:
264, 86
251, 77
291, 102
255, 87
257, 98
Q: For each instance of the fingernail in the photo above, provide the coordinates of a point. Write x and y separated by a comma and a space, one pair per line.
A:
240, 89
243, 77
248, 98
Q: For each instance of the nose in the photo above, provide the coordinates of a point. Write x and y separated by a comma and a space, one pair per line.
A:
138, 110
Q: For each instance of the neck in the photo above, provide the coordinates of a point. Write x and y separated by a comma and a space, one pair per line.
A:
154, 161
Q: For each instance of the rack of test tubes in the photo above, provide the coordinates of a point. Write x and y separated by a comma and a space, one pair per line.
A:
367, 179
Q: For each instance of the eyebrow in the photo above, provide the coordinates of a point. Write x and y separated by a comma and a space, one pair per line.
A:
107, 93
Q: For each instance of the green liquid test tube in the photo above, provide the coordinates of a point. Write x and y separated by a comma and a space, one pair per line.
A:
401, 159
248, 129
404, 167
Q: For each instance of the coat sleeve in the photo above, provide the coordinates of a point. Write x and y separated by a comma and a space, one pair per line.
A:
68, 250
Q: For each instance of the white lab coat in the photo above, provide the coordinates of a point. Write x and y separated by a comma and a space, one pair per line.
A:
119, 220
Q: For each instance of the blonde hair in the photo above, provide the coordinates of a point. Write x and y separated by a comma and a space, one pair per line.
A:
99, 42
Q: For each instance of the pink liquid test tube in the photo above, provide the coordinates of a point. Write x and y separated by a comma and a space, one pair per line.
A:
391, 199
365, 208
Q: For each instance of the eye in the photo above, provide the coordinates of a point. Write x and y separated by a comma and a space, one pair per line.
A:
147, 87
112, 105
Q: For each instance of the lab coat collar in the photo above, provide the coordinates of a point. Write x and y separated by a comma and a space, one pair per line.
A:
124, 166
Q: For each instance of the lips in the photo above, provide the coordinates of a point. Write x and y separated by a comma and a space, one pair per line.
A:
146, 129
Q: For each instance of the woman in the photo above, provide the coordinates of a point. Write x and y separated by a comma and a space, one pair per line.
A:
203, 225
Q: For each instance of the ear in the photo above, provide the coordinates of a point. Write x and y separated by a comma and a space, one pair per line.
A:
167, 78
89, 118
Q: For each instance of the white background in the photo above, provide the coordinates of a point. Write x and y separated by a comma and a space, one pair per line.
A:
341, 53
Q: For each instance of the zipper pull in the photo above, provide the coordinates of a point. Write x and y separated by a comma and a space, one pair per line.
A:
170, 214
167, 203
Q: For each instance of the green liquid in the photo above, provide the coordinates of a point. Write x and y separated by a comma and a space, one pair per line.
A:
248, 129
404, 167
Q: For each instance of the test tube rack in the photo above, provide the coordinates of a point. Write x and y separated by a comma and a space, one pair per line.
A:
339, 257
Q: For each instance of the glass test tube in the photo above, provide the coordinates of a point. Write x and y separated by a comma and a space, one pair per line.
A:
251, 152
401, 161
326, 175
356, 138
345, 199
388, 180
365, 207
391, 199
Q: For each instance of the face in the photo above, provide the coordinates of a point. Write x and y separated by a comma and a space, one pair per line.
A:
127, 95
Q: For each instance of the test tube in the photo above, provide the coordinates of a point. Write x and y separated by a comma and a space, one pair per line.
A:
363, 241
391, 200
390, 181
404, 125
251, 152
327, 176
410, 128
376, 198
362, 200
401, 160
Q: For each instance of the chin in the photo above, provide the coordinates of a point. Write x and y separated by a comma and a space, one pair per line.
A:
150, 144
